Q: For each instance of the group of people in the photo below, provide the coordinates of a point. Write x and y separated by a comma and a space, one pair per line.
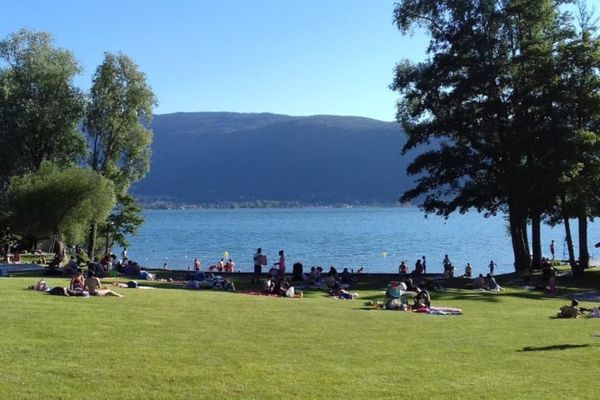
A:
395, 301
448, 268
79, 286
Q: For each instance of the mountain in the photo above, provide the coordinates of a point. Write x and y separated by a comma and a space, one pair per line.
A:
222, 157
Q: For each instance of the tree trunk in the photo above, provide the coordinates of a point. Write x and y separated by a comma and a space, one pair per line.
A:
569, 240
584, 255
518, 234
536, 240
92, 240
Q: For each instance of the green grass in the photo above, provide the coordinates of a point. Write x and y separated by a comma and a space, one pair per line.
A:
181, 344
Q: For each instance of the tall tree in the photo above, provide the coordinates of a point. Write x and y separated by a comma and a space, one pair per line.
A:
117, 124
580, 108
483, 99
40, 107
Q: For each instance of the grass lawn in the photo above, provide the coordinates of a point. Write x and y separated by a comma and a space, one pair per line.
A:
182, 344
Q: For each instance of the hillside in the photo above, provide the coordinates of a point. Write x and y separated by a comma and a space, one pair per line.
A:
212, 158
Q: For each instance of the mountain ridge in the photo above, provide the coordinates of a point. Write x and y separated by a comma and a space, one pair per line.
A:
211, 158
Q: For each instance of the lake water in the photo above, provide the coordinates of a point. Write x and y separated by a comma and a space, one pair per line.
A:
374, 238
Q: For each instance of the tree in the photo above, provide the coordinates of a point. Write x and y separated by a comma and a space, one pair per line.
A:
580, 110
485, 101
58, 201
40, 108
117, 124
122, 222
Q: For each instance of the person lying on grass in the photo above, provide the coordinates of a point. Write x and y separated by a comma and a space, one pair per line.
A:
573, 310
94, 287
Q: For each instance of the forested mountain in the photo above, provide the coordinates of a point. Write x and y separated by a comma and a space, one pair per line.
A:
219, 157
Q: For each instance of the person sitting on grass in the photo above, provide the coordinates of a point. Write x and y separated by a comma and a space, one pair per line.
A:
331, 281
393, 294
422, 299
570, 311
479, 283
403, 268
491, 284
77, 285
468, 271
94, 287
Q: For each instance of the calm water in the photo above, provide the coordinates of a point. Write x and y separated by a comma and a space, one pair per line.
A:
374, 238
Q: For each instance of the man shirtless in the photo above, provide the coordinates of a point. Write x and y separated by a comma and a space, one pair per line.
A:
93, 286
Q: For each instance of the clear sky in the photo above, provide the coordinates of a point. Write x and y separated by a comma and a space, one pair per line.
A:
296, 57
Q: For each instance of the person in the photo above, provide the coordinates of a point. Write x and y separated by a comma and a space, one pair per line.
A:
220, 265
197, 265
123, 254
94, 288
448, 271
479, 283
569, 311
491, 284
492, 267
297, 271
269, 285
314, 276
165, 266
333, 271
403, 268
331, 281
77, 284
346, 277
281, 263
393, 295
258, 258
422, 299
552, 249
229, 266
418, 271
446, 261
468, 271
424, 264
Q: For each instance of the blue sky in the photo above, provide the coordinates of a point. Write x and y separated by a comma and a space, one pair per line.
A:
296, 57
291, 57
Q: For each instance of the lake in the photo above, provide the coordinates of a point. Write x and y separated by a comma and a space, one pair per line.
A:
374, 238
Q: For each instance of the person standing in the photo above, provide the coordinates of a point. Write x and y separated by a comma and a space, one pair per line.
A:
281, 263
491, 267
258, 258
424, 263
552, 249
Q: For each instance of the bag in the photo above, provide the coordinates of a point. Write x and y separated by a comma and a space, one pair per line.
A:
132, 284
262, 259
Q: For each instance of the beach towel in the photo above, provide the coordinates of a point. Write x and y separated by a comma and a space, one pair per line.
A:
444, 311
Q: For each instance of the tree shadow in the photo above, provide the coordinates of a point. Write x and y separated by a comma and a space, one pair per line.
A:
565, 346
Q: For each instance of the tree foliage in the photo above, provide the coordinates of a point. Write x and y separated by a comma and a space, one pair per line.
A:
40, 107
56, 200
494, 98
117, 121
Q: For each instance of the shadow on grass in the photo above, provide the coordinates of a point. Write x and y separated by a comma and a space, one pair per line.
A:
565, 346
